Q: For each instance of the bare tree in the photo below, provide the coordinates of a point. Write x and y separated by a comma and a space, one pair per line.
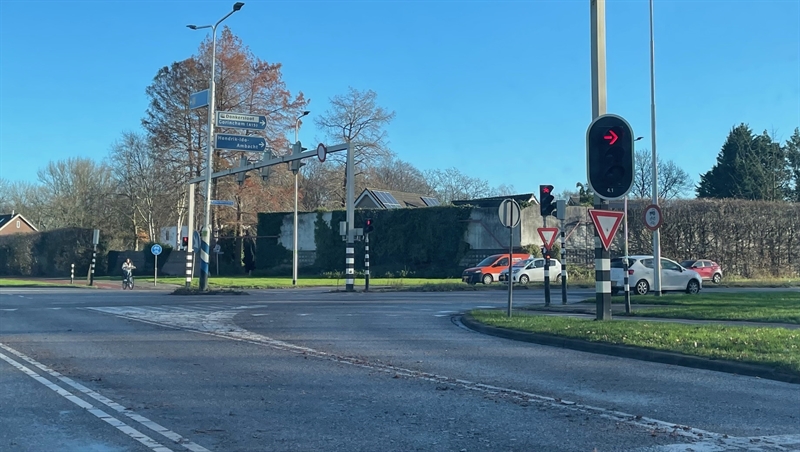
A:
451, 184
394, 174
355, 117
673, 182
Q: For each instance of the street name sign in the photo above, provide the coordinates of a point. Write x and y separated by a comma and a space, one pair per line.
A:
241, 120
221, 202
240, 142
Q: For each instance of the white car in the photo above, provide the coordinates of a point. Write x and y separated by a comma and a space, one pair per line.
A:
640, 276
532, 270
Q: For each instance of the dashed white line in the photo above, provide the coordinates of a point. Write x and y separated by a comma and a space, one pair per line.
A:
220, 324
104, 400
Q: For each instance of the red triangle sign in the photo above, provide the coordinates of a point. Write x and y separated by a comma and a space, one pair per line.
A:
548, 236
606, 222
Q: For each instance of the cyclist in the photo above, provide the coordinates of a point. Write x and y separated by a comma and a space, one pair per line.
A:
127, 269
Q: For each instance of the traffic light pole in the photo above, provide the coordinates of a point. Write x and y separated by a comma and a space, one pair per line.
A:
602, 258
350, 254
190, 239
561, 213
366, 262
546, 270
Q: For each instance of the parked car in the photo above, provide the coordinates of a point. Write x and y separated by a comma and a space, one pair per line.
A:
708, 269
640, 276
532, 270
488, 270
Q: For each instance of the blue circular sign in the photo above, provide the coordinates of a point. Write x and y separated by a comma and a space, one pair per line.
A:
155, 249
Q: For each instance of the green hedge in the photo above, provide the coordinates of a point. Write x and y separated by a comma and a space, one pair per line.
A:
50, 253
269, 251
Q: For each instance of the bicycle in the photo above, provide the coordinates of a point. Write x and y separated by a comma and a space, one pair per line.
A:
127, 281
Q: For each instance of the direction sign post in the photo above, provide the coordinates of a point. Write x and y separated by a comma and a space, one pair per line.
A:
156, 250
509, 216
241, 120
239, 142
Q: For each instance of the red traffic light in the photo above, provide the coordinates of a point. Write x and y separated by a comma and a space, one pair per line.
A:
611, 137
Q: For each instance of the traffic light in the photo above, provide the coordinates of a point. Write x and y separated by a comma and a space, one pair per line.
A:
368, 226
185, 242
546, 200
610, 156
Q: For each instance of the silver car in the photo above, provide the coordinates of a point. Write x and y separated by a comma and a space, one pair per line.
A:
532, 270
640, 276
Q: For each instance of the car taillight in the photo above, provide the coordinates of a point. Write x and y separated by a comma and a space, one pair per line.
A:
630, 272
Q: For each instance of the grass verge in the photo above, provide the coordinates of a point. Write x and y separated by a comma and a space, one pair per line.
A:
775, 307
6, 282
777, 348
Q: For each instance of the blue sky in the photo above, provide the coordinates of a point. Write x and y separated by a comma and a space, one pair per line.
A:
500, 90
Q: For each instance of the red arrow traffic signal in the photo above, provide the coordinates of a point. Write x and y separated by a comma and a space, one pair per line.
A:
612, 137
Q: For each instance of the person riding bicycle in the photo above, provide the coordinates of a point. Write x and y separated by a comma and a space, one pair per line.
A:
127, 269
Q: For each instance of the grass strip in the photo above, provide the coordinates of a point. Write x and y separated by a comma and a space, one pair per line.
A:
774, 307
6, 282
778, 348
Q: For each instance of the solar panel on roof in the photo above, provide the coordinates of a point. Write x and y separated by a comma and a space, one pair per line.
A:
387, 199
430, 201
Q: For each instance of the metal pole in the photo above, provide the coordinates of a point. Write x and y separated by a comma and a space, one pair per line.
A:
656, 234
626, 285
510, 263
155, 270
71, 273
294, 230
366, 262
350, 248
190, 238
91, 271
206, 230
546, 270
602, 264
563, 264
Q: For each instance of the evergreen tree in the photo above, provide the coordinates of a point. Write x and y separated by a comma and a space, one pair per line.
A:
792, 152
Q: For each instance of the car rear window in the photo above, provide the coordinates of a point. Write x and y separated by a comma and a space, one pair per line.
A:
617, 262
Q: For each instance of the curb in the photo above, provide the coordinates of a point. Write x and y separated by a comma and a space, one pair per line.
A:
626, 351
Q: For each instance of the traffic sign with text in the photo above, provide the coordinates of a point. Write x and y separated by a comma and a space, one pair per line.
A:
241, 120
221, 202
548, 236
198, 99
240, 142
606, 222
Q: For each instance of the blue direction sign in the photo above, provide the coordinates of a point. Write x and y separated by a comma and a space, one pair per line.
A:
221, 202
155, 249
198, 99
241, 120
240, 142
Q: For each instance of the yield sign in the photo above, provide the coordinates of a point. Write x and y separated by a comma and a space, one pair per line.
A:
548, 236
606, 222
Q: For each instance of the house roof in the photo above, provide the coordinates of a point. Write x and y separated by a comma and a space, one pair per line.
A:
391, 199
8, 218
495, 201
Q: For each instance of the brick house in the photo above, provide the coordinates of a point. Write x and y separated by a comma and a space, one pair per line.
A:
14, 223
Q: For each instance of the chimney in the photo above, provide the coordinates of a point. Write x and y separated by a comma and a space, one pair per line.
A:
12, 212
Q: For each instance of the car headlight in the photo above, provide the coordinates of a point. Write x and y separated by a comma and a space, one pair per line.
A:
516, 271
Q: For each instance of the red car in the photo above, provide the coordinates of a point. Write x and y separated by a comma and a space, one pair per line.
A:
708, 269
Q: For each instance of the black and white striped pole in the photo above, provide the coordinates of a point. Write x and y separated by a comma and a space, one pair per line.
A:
95, 241
366, 261
190, 239
561, 214
71, 273
350, 252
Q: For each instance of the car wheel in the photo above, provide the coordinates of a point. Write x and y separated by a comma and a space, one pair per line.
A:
524, 279
641, 287
558, 278
693, 287
716, 278
487, 279
614, 292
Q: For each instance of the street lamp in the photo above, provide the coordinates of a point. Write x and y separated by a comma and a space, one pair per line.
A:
656, 233
204, 232
294, 235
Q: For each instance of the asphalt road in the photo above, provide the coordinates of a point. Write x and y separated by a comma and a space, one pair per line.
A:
308, 370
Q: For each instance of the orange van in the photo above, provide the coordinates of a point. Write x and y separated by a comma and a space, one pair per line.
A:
488, 270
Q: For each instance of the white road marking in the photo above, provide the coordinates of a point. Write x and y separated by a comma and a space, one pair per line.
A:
220, 324
106, 401
258, 315
100, 414
9, 309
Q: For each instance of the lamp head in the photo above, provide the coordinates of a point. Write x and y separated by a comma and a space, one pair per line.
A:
237, 6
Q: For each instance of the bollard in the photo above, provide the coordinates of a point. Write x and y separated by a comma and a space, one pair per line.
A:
72, 273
